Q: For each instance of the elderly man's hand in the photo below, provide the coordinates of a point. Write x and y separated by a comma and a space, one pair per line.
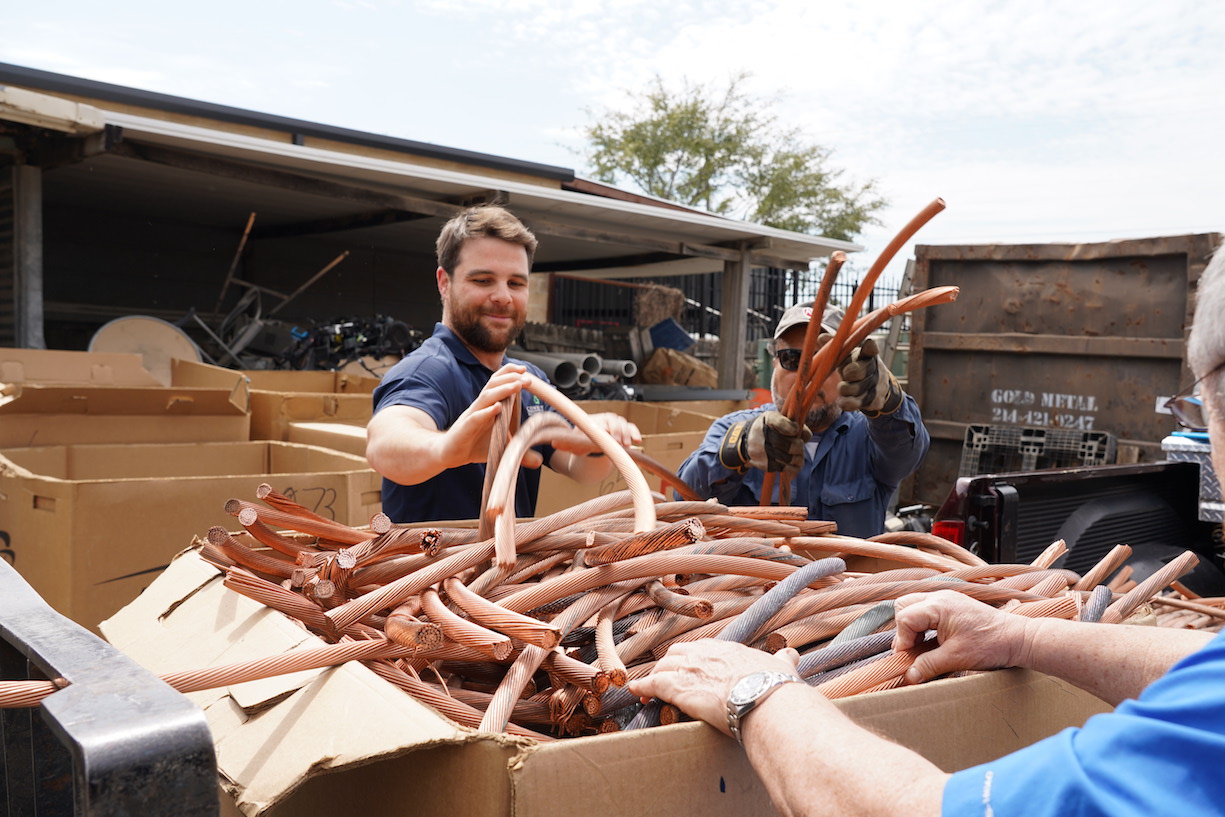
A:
970, 635
698, 676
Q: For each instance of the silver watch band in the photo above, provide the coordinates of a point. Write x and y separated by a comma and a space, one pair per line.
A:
738, 709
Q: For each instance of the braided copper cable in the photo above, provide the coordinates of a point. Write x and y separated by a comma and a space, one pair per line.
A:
1109, 563
880, 550
530, 659
404, 628
606, 646
678, 601
1177, 567
1051, 554
592, 679
462, 630
496, 617
328, 529
931, 541
665, 537
220, 538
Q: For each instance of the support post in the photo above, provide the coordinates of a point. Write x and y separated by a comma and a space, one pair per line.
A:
732, 323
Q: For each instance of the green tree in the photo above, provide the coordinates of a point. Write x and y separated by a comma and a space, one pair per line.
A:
727, 152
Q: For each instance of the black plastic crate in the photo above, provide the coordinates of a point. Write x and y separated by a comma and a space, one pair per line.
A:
996, 449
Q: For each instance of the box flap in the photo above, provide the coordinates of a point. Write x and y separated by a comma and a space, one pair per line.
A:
86, 368
273, 735
102, 400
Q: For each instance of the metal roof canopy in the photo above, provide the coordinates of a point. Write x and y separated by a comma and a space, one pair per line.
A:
141, 162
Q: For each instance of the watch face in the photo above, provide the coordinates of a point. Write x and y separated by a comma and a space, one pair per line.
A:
749, 687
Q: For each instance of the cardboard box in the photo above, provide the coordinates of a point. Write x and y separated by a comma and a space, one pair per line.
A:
50, 397
279, 398
668, 437
88, 526
707, 408
351, 439
343, 739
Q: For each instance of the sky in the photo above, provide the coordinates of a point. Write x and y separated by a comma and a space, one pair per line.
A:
1036, 121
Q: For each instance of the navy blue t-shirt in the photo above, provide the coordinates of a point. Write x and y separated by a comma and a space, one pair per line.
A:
442, 378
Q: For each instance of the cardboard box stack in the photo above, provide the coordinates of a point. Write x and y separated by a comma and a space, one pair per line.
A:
106, 473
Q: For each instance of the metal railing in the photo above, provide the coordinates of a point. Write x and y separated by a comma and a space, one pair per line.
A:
115, 740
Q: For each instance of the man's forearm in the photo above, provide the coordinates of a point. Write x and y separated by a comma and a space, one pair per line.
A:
814, 760
1112, 661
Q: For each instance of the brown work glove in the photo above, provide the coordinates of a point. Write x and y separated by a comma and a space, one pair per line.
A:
867, 385
770, 441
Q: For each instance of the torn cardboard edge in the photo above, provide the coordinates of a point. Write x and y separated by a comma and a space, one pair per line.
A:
337, 738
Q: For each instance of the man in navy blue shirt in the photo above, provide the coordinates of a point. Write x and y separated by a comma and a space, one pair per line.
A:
434, 411
863, 436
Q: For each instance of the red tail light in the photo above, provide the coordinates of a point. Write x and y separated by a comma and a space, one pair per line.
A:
952, 529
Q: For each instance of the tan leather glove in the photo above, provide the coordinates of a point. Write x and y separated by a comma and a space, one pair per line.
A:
770, 441
867, 385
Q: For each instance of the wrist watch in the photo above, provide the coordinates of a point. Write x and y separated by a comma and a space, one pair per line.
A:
748, 692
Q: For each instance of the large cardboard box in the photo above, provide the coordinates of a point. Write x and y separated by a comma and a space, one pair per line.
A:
50, 397
343, 740
669, 435
88, 526
351, 439
281, 398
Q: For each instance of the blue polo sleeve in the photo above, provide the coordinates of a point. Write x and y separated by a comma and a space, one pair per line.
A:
1159, 754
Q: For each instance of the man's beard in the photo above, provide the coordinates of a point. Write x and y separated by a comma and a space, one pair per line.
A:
821, 416
467, 324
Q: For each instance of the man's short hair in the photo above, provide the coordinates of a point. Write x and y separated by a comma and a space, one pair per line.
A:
485, 221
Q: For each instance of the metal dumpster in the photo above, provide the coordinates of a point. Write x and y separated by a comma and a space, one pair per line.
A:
1083, 337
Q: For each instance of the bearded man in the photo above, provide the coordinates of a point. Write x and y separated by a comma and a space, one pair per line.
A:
862, 437
434, 411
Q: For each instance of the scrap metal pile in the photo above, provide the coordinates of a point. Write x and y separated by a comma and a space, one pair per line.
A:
534, 627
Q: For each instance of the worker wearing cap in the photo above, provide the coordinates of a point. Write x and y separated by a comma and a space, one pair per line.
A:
862, 437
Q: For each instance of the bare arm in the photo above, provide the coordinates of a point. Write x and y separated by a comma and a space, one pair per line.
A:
572, 457
811, 757
1111, 661
404, 444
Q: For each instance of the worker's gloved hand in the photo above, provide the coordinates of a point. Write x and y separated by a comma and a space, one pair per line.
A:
867, 385
770, 441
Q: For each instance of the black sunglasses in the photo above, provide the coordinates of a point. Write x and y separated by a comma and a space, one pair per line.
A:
1188, 409
789, 359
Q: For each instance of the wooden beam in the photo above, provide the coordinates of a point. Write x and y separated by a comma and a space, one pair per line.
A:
306, 185
340, 224
28, 256
1169, 348
732, 331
